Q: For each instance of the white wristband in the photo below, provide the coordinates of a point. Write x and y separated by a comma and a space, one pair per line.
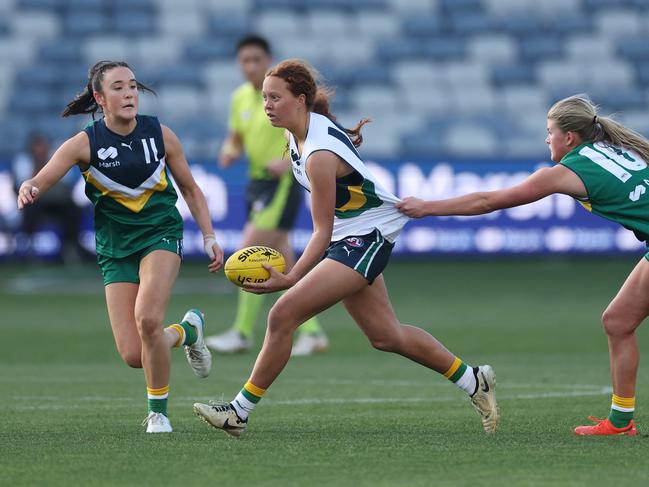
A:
208, 241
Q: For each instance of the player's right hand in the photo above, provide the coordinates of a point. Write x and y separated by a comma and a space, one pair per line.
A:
27, 194
412, 207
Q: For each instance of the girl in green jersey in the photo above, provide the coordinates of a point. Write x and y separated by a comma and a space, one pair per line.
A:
603, 165
124, 158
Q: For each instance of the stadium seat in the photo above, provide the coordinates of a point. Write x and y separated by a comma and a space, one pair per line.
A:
588, 46
421, 145
72, 5
472, 100
643, 74
376, 25
185, 23
426, 102
32, 101
229, 26
491, 49
521, 25
133, 23
463, 75
535, 48
77, 24
328, 24
560, 74
570, 24
35, 25
620, 100
513, 74
635, 49
470, 23
605, 4
269, 23
461, 5
368, 75
44, 76
31, 5
106, 47
470, 139
413, 6
422, 26
208, 49
516, 99
373, 100
171, 98
155, 51
63, 50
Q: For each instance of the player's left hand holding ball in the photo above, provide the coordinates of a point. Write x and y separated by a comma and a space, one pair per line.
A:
276, 282
214, 252
27, 194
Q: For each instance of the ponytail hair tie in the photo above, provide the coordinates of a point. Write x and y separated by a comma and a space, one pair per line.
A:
595, 119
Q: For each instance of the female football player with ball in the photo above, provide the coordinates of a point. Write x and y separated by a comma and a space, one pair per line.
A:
125, 158
355, 224
603, 165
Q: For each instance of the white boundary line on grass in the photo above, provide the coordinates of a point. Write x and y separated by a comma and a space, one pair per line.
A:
298, 402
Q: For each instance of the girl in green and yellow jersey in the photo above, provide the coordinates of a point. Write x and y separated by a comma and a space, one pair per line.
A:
126, 160
603, 165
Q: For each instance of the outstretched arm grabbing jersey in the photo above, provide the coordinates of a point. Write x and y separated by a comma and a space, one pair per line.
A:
542, 183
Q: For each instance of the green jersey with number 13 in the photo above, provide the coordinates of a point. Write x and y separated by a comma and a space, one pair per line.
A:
617, 183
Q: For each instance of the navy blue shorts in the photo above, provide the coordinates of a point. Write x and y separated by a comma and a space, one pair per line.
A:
366, 254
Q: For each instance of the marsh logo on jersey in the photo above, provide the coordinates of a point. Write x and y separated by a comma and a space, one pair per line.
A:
354, 242
104, 154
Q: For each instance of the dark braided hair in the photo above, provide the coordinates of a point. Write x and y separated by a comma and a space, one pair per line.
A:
85, 101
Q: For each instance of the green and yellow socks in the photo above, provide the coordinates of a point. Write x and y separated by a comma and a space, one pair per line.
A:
622, 409
247, 399
463, 376
187, 334
157, 399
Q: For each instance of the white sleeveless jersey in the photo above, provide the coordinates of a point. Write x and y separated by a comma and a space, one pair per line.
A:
362, 204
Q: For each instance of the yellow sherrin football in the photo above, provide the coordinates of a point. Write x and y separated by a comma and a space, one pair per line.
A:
245, 265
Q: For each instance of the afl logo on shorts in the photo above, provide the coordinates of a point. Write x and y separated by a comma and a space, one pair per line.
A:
354, 242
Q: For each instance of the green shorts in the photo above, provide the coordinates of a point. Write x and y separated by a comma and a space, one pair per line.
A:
366, 254
127, 269
273, 204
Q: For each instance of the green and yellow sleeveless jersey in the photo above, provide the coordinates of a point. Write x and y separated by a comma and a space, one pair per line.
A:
261, 141
128, 184
617, 183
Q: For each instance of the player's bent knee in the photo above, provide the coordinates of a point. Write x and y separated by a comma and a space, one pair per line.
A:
281, 318
133, 360
148, 324
386, 343
616, 324
132, 356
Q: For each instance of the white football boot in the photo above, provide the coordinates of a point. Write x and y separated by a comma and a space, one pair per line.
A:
221, 416
230, 341
484, 398
198, 356
157, 423
309, 343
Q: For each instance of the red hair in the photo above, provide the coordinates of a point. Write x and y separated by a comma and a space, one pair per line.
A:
303, 79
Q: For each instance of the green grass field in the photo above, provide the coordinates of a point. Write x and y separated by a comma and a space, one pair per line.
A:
71, 410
